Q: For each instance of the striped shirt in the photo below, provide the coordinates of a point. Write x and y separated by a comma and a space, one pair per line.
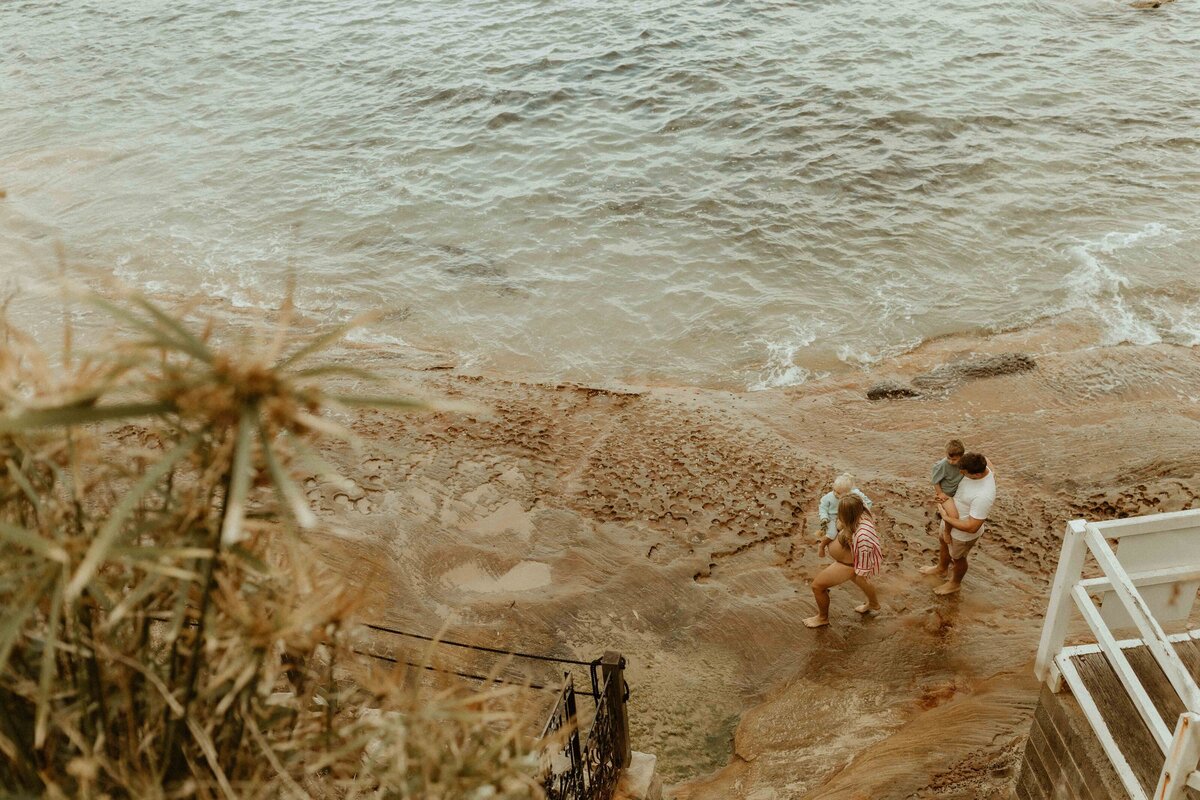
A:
868, 548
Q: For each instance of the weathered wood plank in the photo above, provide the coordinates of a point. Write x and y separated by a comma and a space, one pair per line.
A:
1035, 767
1073, 722
1027, 786
1119, 665
1067, 779
1071, 750
1162, 693
1189, 654
1131, 734
1143, 616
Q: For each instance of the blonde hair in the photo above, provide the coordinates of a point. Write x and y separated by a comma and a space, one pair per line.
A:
844, 482
955, 448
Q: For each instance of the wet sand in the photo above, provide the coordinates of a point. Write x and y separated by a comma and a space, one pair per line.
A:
675, 525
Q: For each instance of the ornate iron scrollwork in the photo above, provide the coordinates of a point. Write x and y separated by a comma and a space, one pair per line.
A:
562, 761
588, 772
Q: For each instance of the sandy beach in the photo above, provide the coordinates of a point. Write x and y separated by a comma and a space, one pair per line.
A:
675, 525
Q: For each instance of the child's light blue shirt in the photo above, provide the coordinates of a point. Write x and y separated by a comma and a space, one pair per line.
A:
827, 510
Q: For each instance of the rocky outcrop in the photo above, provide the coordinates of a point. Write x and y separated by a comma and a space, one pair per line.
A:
975, 368
891, 390
948, 376
675, 525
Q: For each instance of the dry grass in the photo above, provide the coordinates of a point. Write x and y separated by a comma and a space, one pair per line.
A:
166, 631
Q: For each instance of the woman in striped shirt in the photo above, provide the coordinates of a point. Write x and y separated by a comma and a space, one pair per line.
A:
857, 555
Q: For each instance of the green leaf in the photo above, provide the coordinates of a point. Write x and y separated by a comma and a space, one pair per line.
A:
107, 535
273, 759
132, 600
79, 415
26, 487
178, 616
239, 481
160, 338
205, 743
366, 401
328, 338
293, 499
164, 552
97, 592
312, 461
194, 345
249, 559
31, 541
335, 369
48, 666
15, 615
169, 570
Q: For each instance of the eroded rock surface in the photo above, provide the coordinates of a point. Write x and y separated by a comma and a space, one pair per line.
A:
949, 375
675, 525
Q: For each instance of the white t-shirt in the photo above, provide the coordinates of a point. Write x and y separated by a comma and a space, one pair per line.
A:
974, 498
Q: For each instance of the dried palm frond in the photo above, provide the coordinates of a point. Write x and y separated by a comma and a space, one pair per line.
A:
167, 630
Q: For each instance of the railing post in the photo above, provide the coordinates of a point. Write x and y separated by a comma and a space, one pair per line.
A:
1181, 758
573, 747
1058, 613
612, 671
1153, 635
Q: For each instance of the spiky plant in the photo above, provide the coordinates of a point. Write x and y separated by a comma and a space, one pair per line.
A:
166, 629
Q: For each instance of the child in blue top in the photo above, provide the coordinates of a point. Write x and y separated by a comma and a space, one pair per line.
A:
946, 476
827, 509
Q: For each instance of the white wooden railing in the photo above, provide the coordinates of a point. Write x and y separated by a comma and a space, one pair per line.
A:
1167, 565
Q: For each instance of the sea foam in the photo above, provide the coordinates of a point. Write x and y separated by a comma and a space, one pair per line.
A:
1098, 284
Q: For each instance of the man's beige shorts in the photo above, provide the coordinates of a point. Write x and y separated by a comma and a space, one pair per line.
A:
959, 550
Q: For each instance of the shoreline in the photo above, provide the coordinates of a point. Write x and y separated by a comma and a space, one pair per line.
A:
1083, 329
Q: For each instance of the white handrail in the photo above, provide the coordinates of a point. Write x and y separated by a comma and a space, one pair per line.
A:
1123, 669
1092, 712
1058, 615
1153, 634
1151, 577
1151, 523
1181, 749
1181, 760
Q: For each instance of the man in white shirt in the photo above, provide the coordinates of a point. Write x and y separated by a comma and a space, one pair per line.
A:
973, 501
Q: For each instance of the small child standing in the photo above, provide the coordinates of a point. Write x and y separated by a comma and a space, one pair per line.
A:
946, 476
827, 509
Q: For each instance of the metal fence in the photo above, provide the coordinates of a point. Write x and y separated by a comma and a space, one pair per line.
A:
574, 767
590, 771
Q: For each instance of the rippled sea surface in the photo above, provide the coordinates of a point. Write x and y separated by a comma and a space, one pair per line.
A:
733, 193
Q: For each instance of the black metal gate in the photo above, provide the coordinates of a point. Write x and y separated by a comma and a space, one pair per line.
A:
591, 771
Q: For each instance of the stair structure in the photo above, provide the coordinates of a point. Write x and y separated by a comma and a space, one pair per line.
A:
1119, 714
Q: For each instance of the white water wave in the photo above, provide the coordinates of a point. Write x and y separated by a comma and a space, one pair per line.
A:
781, 369
1098, 284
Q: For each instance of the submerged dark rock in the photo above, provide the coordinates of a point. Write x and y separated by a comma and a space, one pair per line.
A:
991, 366
948, 375
891, 390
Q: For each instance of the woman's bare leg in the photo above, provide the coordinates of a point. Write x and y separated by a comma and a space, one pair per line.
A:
826, 579
868, 589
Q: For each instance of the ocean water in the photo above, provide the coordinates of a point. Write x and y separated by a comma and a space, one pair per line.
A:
719, 193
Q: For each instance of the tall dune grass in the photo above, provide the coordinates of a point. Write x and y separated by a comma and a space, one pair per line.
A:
166, 630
